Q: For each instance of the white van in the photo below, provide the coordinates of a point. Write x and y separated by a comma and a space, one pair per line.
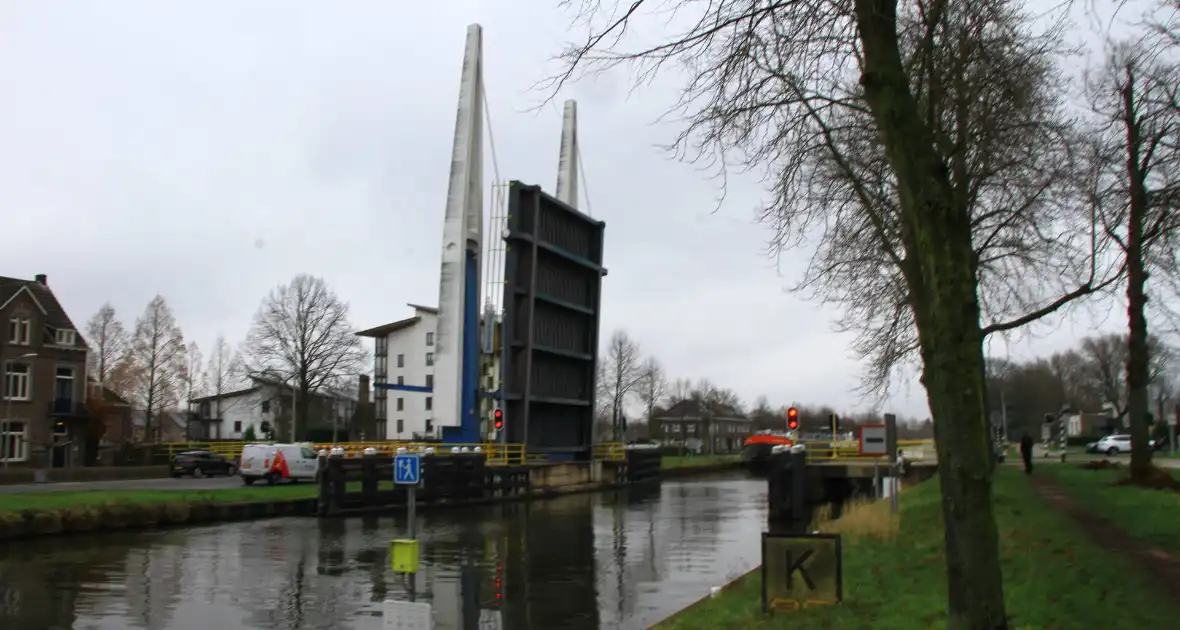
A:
277, 462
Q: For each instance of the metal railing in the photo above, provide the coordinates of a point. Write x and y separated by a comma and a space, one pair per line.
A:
849, 450
612, 451
497, 454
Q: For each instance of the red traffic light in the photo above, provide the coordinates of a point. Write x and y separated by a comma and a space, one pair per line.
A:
498, 416
792, 418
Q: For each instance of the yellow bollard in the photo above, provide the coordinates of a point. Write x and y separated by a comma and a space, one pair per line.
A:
403, 556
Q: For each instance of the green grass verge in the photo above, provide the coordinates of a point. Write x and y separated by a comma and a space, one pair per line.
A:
1054, 576
86, 498
696, 461
1149, 515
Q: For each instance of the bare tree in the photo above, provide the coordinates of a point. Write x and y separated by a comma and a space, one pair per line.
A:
194, 384
108, 342
923, 144
301, 335
651, 385
222, 376
679, 390
1136, 175
623, 371
157, 362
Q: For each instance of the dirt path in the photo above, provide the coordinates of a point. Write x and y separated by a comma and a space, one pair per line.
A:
1162, 567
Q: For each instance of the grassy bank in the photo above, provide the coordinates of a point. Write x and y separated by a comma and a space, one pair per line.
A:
894, 575
1149, 515
20, 501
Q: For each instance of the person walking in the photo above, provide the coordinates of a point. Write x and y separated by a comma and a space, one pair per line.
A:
1026, 452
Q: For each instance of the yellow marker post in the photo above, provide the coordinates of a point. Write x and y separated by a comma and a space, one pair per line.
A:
403, 556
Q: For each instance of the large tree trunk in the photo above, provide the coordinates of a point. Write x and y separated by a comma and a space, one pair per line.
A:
940, 269
1137, 350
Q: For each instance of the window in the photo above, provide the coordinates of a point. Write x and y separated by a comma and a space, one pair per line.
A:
382, 346
401, 360
401, 380
429, 425
429, 402
63, 390
401, 426
237, 426
381, 434
381, 367
306, 452
64, 337
430, 380
380, 413
18, 330
12, 442
401, 404
430, 339
429, 359
266, 406
16, 386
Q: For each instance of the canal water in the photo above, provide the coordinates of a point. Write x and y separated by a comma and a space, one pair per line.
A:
622, 559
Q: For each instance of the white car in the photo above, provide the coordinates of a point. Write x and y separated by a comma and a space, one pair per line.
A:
277, 462
1114, 444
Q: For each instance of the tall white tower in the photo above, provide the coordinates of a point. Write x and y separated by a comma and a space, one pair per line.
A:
567, 159
457, 340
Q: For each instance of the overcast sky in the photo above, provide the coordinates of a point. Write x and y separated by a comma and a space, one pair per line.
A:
211, 152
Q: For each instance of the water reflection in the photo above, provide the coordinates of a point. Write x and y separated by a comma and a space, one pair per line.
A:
616, 560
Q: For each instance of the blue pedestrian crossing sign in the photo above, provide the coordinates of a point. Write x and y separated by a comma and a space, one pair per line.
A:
407, 469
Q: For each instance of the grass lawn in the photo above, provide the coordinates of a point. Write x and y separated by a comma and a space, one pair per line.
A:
689, 461
894, 576
1149, 515
59, 500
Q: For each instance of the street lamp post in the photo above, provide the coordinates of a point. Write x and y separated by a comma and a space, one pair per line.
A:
4, 450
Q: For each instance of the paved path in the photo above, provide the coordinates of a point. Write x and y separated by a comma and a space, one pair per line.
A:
167, 483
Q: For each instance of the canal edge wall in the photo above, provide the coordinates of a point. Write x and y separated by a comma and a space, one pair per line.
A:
23, 524
754, 573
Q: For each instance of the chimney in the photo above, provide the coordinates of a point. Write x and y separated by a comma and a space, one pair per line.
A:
362, 390
42, 279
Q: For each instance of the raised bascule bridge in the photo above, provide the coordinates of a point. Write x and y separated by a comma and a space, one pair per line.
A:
520, 286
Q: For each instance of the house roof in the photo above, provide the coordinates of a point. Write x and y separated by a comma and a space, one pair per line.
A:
139, 418
40, 292
696, 408
385, 329
224, 395
259, 382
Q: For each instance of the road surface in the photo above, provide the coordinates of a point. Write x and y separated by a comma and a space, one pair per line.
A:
167, 483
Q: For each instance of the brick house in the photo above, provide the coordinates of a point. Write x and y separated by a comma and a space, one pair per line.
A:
43, 410
689, 423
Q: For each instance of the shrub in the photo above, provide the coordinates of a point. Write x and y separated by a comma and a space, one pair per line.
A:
80, 519
116, 516
144, 514
861, 519
176, 513
44, 521
12, 524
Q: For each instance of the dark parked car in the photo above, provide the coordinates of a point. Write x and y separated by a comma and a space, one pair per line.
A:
202, 463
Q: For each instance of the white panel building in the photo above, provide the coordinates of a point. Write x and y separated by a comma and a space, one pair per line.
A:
403, 354
227, 417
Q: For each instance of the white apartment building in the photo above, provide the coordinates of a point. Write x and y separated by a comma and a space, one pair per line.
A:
227, 417
403, 354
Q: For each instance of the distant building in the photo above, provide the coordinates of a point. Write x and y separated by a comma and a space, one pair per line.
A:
691, 423
403, 354
43, 362
230, 415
